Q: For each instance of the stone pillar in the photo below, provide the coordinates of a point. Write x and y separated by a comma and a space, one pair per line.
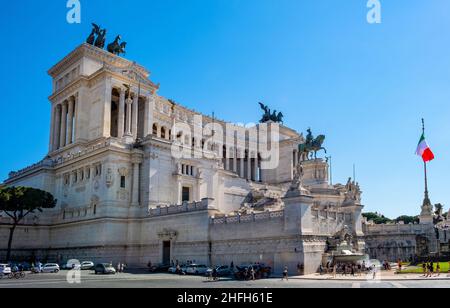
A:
62, 135
227, 159
129, 103
242, 161
107, 108
121, 126
147, 124
255, 168
70, 120
56, 127
136, 161
179, 190
249, 166
296, 159
135, 116
234, 160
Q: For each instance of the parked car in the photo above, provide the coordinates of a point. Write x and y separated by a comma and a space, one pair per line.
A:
5, 269
50, 268
222, 271
173, 269
87, 265
72, 264
162, 268
196, 269
104, 269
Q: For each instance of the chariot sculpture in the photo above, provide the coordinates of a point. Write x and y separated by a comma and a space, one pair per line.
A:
274, 116
97, 38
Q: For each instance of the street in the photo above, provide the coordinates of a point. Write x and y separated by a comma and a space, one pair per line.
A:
143, 280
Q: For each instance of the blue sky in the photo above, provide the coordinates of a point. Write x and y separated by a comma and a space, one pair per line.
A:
366, 87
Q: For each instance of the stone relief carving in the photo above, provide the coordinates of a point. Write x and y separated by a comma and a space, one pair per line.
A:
109, 179
123, 171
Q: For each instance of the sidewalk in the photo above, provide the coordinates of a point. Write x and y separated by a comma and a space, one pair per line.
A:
389, 276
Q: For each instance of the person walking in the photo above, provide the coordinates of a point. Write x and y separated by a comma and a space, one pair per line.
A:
438, 269
252, 273
285, 274
424, 269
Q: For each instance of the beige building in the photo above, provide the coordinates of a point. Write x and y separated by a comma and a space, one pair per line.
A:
141, 178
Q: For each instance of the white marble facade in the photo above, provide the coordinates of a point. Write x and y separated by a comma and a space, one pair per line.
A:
123, 196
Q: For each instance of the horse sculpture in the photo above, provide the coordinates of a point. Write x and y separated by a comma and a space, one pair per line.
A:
270, 116
116, 48
95, 31
312, 145
101, 39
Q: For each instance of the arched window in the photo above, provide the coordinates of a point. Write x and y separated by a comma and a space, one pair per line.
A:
163, 132
155, 129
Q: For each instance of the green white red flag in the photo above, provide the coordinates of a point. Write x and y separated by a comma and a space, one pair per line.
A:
424, 151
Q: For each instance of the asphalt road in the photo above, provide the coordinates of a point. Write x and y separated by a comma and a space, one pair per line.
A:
127, 280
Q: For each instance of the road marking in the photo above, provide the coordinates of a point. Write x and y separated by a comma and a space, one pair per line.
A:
398, 285
356, 285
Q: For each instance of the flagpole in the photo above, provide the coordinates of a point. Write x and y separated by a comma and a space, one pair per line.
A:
427, 197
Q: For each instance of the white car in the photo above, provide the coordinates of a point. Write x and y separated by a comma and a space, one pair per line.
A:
50, 268
5, 269
195, 269
87, 265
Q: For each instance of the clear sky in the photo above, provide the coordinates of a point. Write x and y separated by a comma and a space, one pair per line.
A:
366, 87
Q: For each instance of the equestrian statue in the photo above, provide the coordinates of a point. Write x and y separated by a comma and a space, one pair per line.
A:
312, 145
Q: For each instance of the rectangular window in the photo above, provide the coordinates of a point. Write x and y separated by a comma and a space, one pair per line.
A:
186, 194
122, 182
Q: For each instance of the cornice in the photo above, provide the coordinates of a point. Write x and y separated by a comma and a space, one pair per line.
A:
97, 54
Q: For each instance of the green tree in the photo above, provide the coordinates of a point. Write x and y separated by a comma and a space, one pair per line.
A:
408, 219
377, 218
19, 202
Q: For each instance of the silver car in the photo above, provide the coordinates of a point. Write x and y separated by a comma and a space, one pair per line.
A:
50, 268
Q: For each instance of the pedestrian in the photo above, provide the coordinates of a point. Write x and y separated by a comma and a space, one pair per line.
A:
334, 271
252, 273
232, 266
438, 269
424, 269
374, 271
399, 266
431, 268
321, 269
299, 269
285, 274
118, 267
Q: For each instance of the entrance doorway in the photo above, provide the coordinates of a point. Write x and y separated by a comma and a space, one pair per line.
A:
166, 252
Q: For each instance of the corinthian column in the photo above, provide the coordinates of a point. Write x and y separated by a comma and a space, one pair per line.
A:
70, 120
129, 103
135, 116
62, 136
56, 127
121, 125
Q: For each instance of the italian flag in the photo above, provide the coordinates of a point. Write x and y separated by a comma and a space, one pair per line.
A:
424, 150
